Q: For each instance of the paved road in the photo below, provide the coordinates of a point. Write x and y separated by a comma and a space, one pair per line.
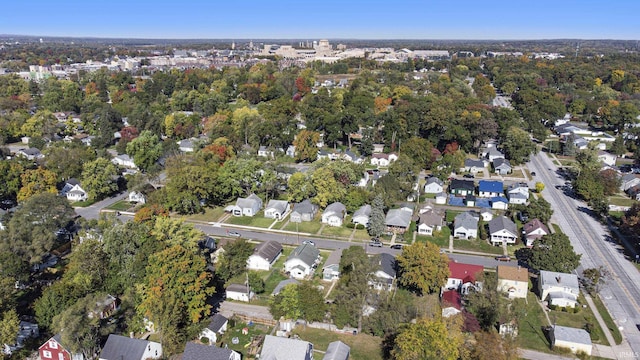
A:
621, 293
93, 211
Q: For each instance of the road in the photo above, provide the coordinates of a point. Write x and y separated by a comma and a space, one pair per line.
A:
93, 211
621, 292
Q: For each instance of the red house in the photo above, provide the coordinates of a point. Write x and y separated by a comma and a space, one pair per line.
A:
53, 349
463, 277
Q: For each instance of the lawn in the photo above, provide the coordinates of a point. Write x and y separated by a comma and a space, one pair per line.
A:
310, 227
477, 245
441, 239
363, 346
336, 231
451, 215
255, 221
243, 340
122, 205
621, 201
530, 335
615, 332
579, 320
361, 235
210, 215
273, 279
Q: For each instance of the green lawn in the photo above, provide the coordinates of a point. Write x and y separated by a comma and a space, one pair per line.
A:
122, 205
615, 332
361, 235
450, 215
272, 280
579, 320
363, 346
441, 239
310, 227
256, 221
210, 215
244, 340
530, 335
477, 245
621, 201
336, 231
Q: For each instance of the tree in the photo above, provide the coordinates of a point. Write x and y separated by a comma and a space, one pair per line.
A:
489, 345
67, 160
176, 232
593, 278
422, 267
311, 302
306, 148
9, 327
145, 150
10, 174
518, 145
489, 305
554, 252
353, 287
420, 150
539, 208
41, 124
87, 268
99, 178
377, 218
255, 282
234, 259
79, 331
328, 189
36, 182
286, 303
539, 187
427, 339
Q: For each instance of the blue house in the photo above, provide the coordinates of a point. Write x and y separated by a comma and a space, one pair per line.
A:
489, 189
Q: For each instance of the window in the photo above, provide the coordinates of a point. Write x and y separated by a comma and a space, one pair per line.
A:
46, 354
53, 344
60, 356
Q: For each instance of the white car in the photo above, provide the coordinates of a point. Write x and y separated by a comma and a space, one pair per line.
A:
234, 233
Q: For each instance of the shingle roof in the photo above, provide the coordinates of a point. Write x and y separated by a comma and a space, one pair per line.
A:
268, 250
502, 223
217, 322
497, 163
239, 288
279, 205
279, 348
336, 208
473, 163
464, 272
465, 220
534, 224
307, 253
364, 210
386, 263
123, 348
513, 273
248, 202
282, 284
490, 186
398, 218
430, 218
195, 351
337, 350
551, 278
462, 184
564, 333
452, 298
305, 207
333, 258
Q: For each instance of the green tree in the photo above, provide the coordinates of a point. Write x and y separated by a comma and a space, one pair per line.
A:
87, 268
539, 208
99, 178
311, 302
423, 268
176, 232
78, 331
234, 259
286, 303
427, 339
145, 150
489, 305
328, 189
554, 252
489, 345
353, 287
9, 327
67, 160
377, 218
37, 181
518, 145
300, 187
41, 124
10, 173
256, 283
420, 150
593, 278
306, 148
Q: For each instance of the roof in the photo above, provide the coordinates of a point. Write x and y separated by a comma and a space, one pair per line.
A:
268, 250
337, 208
239, 288
452, 298
569, 334
195, 351
552, 278
398, 218
502, 223
462, 184
501, 199
282, 284
305, 207
333, 258
386, 263
517, 186
490, 186
434, 179
500, 162
248, 202
465, 272
217, 322
430, 218
307, 253
513, 273
534, 224
279, 348
364, 210
279, 205
337, 350
466, 220
473, 163
123, 348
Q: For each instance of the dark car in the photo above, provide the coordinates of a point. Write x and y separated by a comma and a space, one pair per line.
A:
375, 243
396, 246
468, 176
533, 173
503, 258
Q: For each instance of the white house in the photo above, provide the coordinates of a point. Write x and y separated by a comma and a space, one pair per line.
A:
384, 275
383, 160
361, 216
473, 166
124, 160
607, 158
331, 268
429, 222
276, 209
441, 198
186, 145
302, 261
465, 226
463, 277
433, 186
499, 203
239, 292
264, 255
217, 326
533, 230
137, 197
451, 303
264, 152
576, 340
559, 289
248, 206
120, 347
76, 193
30, 153
195, 351
502, 230
275, 347
303, 211
514, 281
334, 214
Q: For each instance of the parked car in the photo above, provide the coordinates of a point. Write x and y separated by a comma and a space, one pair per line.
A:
375, 243
468, 176
533, 173
503, 258
396, 246
234, 234
309, 242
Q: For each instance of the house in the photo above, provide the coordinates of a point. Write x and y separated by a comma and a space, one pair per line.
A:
195, 351
30, 153
331, 269
576, 340
634, 192
473, 166
361, 216
73, 192
507, 327
486, 215
489, 189
502, 230
303, 211
276, 348
383, 160
302, 261
514, 281
559, 289
429, 222
628, 181
26, 331
518, 188
264, 255
125, 348
398, 221
534, 229
502, 166
248, 206
207, 243
518, 199
352, 157
106, 307
239, 292
463, 277
53, 349
607, 158
137, 197
451, 303
470, 200
433, 186
291, 151
499, 203
276, 209
494, 154
217, 326
465, 225
186, 145
334, 214
462, 187
384, 275
281, 285
264, 152
337, 350
441, 198
124, 160
378, 148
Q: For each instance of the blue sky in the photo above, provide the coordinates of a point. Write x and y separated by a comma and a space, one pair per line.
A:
333, 19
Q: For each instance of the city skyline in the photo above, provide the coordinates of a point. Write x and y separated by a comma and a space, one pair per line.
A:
333, 19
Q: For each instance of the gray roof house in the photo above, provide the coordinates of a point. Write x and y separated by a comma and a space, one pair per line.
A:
195, 351
302, 261
502, 166
331, 269
337, 350
628, 181
303, 211
502, 230
558, 289
384, 271
217, 326
276, 209
361, 216
186, 145
465, 225
248, 206
428, 222
473, 166
398, 221
125, 348
334, 214
282, 284
493, 154
264, 255
433, 185
280, 348
574, 339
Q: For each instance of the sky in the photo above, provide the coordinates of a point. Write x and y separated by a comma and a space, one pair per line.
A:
325, 19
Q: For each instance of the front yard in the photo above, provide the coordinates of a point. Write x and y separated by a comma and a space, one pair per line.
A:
256, 221
363, 346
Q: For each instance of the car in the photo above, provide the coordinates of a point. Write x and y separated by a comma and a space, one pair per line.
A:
469, 176
309, 242
234, 233
503, 258
375, 243
533, 173
396, 246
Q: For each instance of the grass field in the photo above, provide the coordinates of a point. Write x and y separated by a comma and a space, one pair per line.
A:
621, 201
579, 320
441, 239
209, 215
122, 205
615, 332
477, 245
336, 231
256, 221
310, 227
530, 335
243, 340
363, 346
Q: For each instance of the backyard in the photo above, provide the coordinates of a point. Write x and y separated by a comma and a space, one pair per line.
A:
363, 346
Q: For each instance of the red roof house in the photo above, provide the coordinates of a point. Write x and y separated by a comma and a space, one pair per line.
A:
463, 276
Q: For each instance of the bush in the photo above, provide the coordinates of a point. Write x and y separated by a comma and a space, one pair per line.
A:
576, 309
564, 309
552, 307
360, 227
350, 225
